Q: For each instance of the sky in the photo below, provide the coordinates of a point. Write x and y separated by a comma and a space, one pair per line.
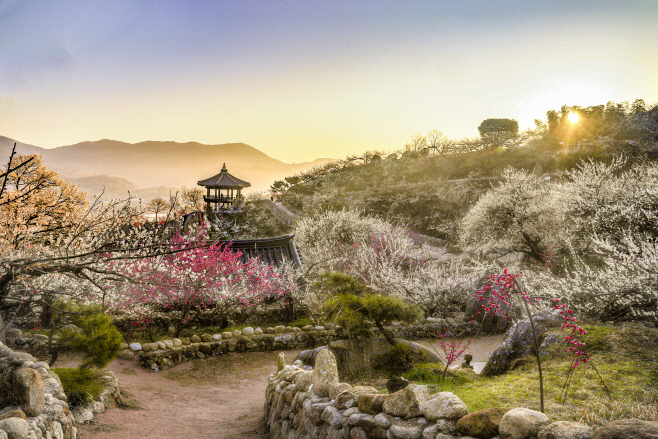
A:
305, 79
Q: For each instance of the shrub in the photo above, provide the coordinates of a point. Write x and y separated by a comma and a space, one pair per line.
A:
98, 339
398, 359
81, 386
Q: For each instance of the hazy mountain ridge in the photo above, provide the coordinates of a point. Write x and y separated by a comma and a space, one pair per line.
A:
121, 166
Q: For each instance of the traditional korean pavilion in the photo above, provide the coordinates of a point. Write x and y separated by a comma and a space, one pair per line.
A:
227, 190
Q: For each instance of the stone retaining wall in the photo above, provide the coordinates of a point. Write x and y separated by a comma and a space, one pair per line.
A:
168, 353
302, 404
32, 401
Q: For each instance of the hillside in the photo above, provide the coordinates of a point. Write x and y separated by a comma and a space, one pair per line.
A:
169, 165
430, 193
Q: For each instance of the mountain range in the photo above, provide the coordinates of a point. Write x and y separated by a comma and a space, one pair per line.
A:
149, 169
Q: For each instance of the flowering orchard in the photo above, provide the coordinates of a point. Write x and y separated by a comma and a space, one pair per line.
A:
498, 295
385, 258
195, 282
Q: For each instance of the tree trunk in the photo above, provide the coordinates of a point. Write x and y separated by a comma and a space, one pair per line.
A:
386, 333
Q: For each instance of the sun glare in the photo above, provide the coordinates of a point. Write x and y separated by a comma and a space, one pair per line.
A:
573, 117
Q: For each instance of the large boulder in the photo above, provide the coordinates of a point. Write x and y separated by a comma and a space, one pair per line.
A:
29, 390
519, 342
407, 402
496, 321
483, 423
628, 429
16, 428
522, 423
566, 430
325, 373
444, 405
377, 348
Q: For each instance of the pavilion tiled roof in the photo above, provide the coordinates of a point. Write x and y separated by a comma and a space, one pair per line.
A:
223, 180
272, 251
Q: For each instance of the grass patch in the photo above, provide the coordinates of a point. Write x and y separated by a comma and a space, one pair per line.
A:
81, 386
627, 359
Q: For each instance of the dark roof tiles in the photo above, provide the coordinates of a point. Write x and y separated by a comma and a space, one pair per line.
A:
223, 180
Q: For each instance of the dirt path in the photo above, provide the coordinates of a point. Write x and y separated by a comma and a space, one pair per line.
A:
219, 397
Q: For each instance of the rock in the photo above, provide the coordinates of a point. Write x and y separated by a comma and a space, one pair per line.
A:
29, 390
519, 343
206, 338
372, 403
248, 331
521, 423
308, 328
483, 423
358, 433
308, 357
396, 383
13, 414
492, 322
135, 346
430, 432
281, 361
444, 405
337, 389
566, 430
325, 373
258, 331
349, 398
332, 416
303, 380
269, 330
16, 428
408, 429
195, 339
447, 426
3, 434
628, 429
168, 344
279, 329
177, 342
13, 333
407, 402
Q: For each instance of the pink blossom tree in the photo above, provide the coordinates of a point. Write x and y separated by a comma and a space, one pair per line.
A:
194, 281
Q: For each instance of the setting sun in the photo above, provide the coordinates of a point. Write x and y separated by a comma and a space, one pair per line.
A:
573, 117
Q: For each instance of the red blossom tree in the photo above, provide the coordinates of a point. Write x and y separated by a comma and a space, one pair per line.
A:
196, 281
502, 288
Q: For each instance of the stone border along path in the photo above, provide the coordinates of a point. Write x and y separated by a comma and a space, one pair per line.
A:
162, 355
219, 397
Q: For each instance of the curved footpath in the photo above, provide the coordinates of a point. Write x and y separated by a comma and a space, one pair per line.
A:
219, 397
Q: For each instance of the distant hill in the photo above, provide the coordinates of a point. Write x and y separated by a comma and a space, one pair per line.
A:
163, 165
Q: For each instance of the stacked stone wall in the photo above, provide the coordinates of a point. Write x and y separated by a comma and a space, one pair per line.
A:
303, 404
32, 400
165, 354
